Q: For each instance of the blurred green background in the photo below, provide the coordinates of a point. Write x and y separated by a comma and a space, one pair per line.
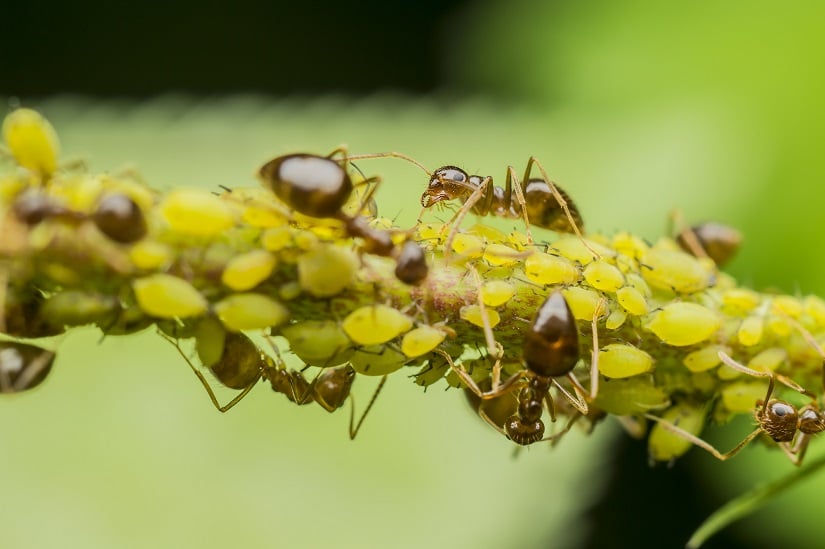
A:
635, 107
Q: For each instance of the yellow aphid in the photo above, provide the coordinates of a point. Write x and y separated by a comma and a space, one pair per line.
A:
167, 296
421, 341
543, 268
638, 283
704, 359
196, 212
497, 292
815, 308
430, 231
675, 270
289, 290
631, 396
681, 323
618, 360
632, 301
377, 360
768, 360
276, 238
603, 276
518, 240
327, 270
32, 141
740, 300
488, 233
150, 255
263, 216
375, 324
499, 254
245, 271
740, 397
306, 240
664, 445
615, 319
318, 342
787, 305
574, 249
779, 325
468, 245
78, 192
582, 302
629, 245
750, 331
473, 315
250, 311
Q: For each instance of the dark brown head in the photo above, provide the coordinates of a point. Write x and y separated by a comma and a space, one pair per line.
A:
446, 183
312, 185
333, 386
780, 420
811, 420
551, 346
719, 241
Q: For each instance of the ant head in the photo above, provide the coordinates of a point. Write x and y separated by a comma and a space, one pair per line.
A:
811, 420
524, 432
333, 386
446, 183
780, 420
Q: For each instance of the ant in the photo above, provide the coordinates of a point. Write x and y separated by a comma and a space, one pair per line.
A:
550, 351
789, 427
318, 186
538, 201
710, 239
23, 366
242, 364
116, 215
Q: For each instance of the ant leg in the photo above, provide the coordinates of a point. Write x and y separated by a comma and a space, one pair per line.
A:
519, 188
560, 198
455, 222
494, 348
555, 437
473, 386
788, 382
677, 226
4, 288
696, 441
398, 155
354, 432
578, 398
594, 356
226, 407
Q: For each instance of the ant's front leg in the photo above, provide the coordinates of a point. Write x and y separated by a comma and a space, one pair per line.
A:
519, 187
494, 392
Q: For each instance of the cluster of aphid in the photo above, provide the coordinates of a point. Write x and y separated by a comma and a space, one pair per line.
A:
577, 327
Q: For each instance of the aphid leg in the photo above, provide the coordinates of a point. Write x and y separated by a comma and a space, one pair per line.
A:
226, 407
560, 199
512, 183
693, 439
494, 392
455, 222
354, 432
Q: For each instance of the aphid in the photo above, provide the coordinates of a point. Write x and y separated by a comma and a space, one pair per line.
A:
319, 186
551, 351
538, 201
790, 427
242, 364
23, 366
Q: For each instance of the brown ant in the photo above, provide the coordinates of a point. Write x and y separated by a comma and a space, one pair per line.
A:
23, 366
789, 427
318, 186
710, 239
242, 364
551, 351
116, 215
538, 201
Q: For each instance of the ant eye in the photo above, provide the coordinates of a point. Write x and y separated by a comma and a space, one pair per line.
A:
782, 409
450, 173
